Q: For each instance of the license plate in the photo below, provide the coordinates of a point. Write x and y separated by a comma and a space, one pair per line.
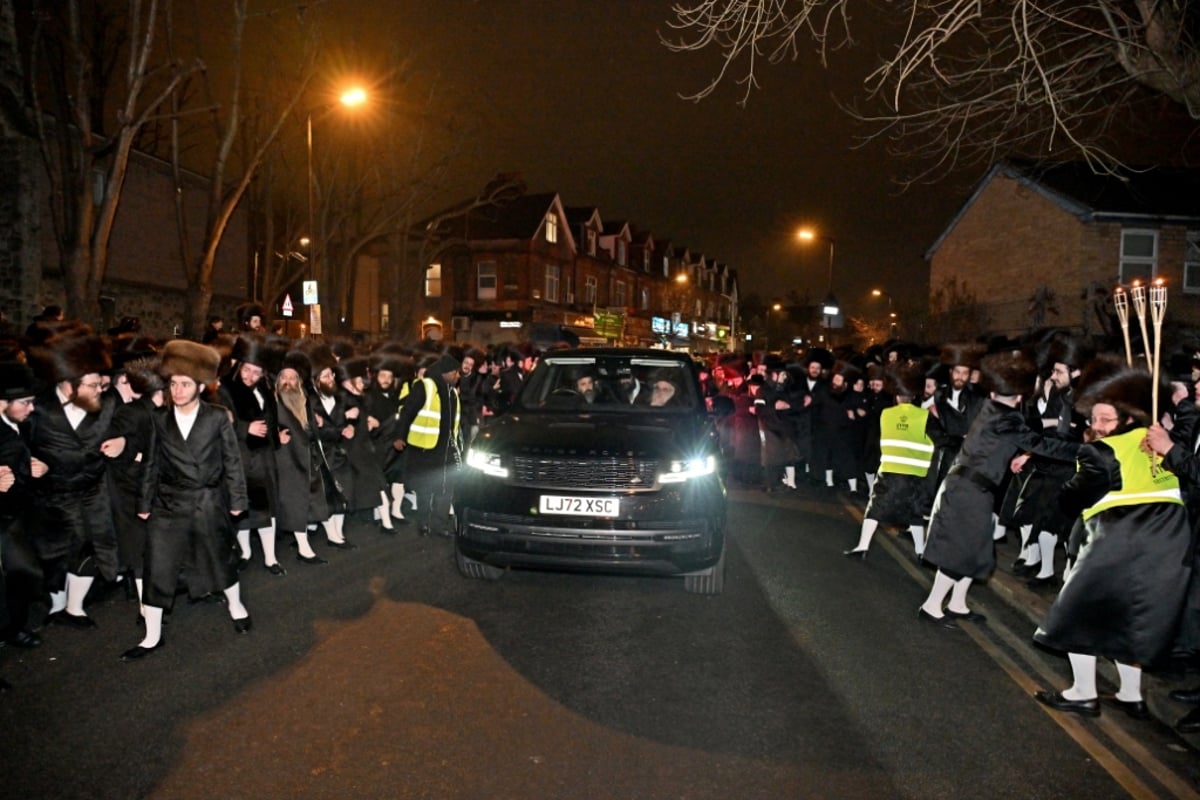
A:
579, 506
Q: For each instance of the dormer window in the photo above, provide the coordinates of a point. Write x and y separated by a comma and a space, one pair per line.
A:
552, 227
621, 252
591, 242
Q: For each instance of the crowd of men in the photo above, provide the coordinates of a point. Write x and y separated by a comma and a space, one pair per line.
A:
175, 466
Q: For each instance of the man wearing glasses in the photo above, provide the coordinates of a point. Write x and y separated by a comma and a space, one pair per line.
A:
69, 431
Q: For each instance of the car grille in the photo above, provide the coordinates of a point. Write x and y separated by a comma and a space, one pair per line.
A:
585, 473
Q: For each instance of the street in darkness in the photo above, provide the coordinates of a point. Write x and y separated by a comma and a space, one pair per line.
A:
385, 674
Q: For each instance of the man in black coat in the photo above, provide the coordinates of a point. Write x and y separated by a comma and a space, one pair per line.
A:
194, 489
303, 501
69, 431
429, 434
956, 402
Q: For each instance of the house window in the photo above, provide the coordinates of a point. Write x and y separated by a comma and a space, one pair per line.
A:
644, 302
552, 227
591, 242
666, 267
433, 281
1139, 255
645, 261
385, 316
1191, 264
589, 290
552, 278
485, 280
621, 252
619, 294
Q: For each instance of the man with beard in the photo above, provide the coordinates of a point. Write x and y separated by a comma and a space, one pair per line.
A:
302, 497
876, 400
778, 447
20, 570
194, 488
382, 402
429, 434
140, 382
69, 431
335, 425
507, 382
247, 393
366, 488
813, 442
471, 385
1037, 507
957, 402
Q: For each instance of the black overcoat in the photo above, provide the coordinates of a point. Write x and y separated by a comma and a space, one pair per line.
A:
302, 492
258, 452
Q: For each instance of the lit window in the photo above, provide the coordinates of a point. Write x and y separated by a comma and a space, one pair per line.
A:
621, 252
644, 303
552, 277
1191, 264
485, 280
589, 290
1139, 256
552, 227
433, 281
591, 242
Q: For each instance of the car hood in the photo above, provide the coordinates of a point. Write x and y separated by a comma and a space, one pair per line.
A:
642, 435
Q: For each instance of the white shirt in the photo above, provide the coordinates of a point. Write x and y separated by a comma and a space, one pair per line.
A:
74, 413
185, 421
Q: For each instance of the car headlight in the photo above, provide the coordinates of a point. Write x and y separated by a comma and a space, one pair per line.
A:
487, 463
683, 470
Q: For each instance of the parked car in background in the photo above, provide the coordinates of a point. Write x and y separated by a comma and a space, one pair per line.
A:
607, 462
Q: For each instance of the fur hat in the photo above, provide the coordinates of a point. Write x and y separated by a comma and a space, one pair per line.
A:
819, 355
848, 370
401, 367
297, 360
1064, 349
962, 355
144, 375
773, 363
905, 379
341, 348
246, 311
130, 347
876, 372
70, 357
320, 357
733, 361
1130, 390
185, 357
17, 380
261, 350
350, 368
447, 363
1008, 374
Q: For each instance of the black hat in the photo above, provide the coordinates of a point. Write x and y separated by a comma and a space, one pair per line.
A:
298, 361
246, 311
1060, 348
819, 355
350, 368
1008, 374
70, 357
962, 355
905, 379
1130, 390
447, 363
17, 380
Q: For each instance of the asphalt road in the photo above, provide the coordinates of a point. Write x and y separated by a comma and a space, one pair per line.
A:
385, 674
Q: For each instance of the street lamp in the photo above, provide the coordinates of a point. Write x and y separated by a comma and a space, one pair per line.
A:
682, 278
891, 313
767, 337
829, 307
352, 97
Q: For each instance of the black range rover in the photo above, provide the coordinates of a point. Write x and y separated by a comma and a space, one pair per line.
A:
607, 462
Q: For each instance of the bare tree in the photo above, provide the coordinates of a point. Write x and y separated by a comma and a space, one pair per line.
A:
91, 66
964, 81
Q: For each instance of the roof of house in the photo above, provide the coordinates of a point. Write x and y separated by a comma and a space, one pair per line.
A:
1154, 195
518, 218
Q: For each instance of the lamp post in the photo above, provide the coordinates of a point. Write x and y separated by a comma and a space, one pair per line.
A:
767, 337
891, 313
829, 307
350, 98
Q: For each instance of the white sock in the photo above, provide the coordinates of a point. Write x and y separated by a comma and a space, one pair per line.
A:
1046, 545
918, 536
384, 513
333, 529
999, 531
942, 584
77, 589
302, 545
58, 601
243, 539
870, 483
1029, 552
397, 500
267, 537
153, 616
141, 608
1131, 682
853, 484
829, 477
411, 497
789, 477
958, 596
1083, 670
233, 596
869, 527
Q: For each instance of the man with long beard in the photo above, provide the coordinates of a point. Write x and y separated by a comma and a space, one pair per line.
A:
69, 432
194, 488
302, 498
335, 425
382, 402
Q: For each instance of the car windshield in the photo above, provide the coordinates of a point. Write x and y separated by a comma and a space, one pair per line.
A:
612, 383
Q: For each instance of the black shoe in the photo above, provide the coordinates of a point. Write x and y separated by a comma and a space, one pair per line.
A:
24, 639
1190, 722
423, 530
970, 616
861, 555
1186, 695
315, 559
941, 622
446, 533
76, 621
276, 569
242, 625
242, 564
1055, 700
139, 652
131, 593
1023, 570
1049, 582
341, 545
1134, 708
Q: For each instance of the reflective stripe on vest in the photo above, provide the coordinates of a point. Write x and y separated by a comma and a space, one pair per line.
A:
1138, 484
904, 448
426, 426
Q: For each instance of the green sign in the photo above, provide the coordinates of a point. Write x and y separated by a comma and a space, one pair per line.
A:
609, 324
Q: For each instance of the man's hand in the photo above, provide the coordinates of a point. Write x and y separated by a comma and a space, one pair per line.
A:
372, 423
7, 479
143, 515
1018, 463
285, 436
258, 428
352, 413
37, 467
399, 444
348, 432
782, 405
1157, 440
113, 447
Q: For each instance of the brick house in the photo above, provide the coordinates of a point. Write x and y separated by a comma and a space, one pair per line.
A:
530, 267
1065, 236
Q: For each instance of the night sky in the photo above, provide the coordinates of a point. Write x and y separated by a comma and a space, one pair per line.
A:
581, 98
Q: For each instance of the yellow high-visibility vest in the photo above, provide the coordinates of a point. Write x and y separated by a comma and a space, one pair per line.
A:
1139, 483
423, 432
904, 448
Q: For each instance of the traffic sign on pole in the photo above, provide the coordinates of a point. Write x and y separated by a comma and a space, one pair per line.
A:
310, 293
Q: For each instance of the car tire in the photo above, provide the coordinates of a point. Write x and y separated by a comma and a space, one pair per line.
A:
470, 568
707, 581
